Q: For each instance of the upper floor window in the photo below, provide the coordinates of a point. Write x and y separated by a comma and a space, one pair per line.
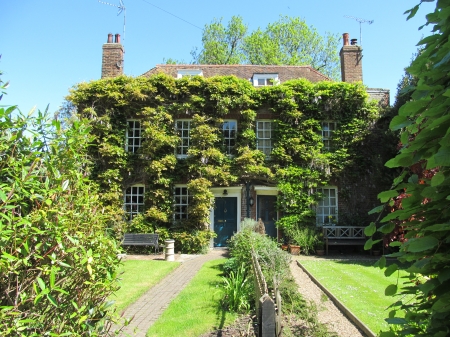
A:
229, 131
181, 203
264, 136
183, 128
261, 80
327, 209
134, 135
327, 132
189, 73
134, 200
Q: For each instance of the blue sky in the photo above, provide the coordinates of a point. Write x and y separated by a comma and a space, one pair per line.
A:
48, 46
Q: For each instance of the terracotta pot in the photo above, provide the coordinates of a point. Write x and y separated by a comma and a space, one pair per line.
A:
284, 247
295, 250
320, 252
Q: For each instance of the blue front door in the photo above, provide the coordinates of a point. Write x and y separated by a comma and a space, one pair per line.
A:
225, 220
267, 212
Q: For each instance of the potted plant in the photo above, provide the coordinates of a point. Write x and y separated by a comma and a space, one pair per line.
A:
320, 245
306, 237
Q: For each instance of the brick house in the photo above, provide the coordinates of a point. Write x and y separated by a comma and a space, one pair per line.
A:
254, 198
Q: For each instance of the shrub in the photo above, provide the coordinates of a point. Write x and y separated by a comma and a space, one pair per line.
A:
57, 265
192, 241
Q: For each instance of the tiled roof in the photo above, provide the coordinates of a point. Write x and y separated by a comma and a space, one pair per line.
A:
243, 71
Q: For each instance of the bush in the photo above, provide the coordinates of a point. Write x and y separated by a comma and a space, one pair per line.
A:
57, 266
192, 241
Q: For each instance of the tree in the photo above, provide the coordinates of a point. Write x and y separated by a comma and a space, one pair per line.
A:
288, 41
425, 180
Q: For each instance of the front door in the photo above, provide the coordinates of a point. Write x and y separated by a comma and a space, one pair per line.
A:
225, 220
266, 208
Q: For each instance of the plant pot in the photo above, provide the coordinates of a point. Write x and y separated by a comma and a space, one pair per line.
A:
284, 247
320, 252
295, 250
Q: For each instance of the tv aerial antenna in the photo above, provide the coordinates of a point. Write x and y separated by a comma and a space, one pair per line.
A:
121, 8
360, 22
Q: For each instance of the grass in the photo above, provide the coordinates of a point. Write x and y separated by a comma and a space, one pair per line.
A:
137, 277
358, 285
196, 310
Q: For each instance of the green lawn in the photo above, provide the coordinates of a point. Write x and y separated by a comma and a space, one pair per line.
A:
358, 285
196, 310
137, 277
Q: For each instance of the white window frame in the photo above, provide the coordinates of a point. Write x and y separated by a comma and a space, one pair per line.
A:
181, 199
264, 143
133, 200
182, 148
268, 78
189, 73
134, 141
229, 141
327, 133
327, 208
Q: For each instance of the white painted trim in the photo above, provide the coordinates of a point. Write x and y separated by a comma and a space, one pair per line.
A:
266, 190
189, 72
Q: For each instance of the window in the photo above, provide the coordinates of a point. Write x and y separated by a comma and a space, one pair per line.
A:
261, 80
264, 136
326, 211
134, 136
183, 128
134, 200
189, 73
229, 131
327, 132
181, 203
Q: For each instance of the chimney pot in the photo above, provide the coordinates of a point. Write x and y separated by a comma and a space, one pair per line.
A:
345, 39
110, 38
354, 42
117, 38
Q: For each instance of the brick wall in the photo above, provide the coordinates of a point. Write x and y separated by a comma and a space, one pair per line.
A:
112, 60
351, 63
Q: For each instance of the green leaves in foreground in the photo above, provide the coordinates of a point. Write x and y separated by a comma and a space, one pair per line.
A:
422, 209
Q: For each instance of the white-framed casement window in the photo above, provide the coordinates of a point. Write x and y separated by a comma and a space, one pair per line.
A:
134, 200
264, 136
180, 202
262, 80
327, 131
134, 135
327, 209
183, 128
189, 73
229, 132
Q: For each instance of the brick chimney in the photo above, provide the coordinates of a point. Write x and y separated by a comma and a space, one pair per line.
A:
112, 59
351, 60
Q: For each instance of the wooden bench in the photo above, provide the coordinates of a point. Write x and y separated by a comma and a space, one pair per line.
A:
137, 239
343, 236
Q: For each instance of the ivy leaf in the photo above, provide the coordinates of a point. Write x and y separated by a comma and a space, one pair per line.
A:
422, 244
437, 179
391, 269
370, 230
386, 195
391, 290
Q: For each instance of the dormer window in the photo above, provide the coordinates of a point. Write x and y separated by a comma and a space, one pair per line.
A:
263, 80
189, 73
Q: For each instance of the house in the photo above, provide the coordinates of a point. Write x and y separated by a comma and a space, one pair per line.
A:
255, 195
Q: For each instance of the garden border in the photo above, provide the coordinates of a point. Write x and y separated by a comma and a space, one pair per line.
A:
339, 304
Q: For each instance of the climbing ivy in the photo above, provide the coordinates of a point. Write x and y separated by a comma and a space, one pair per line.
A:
297, 108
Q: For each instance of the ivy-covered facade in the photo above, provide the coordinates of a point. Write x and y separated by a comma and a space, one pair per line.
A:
192, 148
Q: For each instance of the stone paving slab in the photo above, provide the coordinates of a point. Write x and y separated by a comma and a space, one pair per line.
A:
147, 309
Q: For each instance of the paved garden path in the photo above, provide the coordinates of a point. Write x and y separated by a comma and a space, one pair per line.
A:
147, 309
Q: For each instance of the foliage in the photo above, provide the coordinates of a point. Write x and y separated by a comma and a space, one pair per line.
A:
298, 163
192, 241
288, 41
237, 290
306, 237
425, 180
57, 265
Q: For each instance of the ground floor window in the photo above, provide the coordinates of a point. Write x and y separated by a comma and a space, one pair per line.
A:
327, 209
134, 200
181, 203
